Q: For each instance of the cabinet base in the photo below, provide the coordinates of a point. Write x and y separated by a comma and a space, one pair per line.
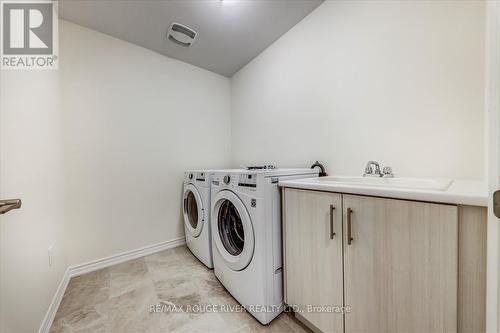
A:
306, 323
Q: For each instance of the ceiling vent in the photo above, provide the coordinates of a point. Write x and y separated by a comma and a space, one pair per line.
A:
181, 34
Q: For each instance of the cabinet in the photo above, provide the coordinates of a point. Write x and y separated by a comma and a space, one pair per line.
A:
313, 259
395, 266
472, 230
400, 268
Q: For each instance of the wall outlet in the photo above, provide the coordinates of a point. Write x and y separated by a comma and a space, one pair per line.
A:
51, 255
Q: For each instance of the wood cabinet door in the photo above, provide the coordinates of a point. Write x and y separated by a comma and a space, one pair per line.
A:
400, 268
313, 256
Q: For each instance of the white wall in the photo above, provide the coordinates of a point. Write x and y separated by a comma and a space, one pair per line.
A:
134, 121
30, 169
401, 82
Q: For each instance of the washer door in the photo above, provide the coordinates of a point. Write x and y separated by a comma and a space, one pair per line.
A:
232, 230
193, 210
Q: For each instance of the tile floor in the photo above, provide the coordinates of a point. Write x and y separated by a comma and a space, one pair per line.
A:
118, 300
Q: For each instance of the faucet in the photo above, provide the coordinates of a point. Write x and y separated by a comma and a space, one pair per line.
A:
321, 167
386, 172
369, 170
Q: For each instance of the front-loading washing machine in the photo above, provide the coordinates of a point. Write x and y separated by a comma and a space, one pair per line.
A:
246, 234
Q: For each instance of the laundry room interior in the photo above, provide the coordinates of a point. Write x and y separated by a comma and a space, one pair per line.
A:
249, 166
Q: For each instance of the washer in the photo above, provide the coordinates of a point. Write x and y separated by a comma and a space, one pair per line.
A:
246, 224
196, 211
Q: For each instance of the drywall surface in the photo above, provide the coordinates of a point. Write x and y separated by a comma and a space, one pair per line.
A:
134, 121
30, 169
400, 82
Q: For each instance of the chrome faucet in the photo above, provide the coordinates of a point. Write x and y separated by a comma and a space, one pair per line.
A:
369, 172
387, 172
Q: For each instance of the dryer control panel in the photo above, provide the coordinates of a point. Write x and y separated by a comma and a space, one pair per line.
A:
198, 177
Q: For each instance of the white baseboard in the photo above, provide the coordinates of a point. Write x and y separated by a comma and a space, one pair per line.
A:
54, 305
124, 256
98, 264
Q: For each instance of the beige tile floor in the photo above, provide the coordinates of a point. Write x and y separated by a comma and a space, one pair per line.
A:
118, 299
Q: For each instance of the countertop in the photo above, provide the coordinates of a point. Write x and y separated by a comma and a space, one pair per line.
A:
460, 192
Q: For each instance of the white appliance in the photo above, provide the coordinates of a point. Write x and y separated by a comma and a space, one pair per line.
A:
246, 234
196, 211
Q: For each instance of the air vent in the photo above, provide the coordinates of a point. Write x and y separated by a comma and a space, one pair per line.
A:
181, 34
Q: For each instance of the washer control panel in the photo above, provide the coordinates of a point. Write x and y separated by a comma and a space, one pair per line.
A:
234, 180
248, 180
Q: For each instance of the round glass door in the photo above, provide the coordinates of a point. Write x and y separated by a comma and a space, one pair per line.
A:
193, 210
233, 230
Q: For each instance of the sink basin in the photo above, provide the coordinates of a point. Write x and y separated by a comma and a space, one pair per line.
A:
437, 184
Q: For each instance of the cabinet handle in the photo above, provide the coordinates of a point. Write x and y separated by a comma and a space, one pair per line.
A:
331, 221
349, 226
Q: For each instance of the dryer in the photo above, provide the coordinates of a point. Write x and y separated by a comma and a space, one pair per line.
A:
246, 236
196, 212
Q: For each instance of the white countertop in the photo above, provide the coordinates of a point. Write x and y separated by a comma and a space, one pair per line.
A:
460, 192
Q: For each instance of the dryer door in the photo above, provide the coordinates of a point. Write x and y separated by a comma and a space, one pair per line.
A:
232, 230
193, 210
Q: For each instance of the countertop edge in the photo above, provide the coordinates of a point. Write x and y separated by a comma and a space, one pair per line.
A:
445, 197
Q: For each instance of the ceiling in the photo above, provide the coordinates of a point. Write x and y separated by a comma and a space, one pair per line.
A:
230, 32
